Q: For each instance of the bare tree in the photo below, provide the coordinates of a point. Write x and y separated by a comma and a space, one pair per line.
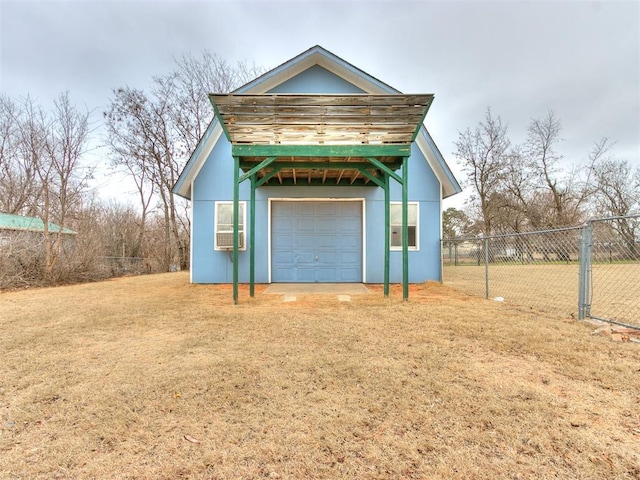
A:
189, 85
130, 151
617, 192
63, 177
484, 152
151, 135
51, 146
17, 174
616, 182
455, 223
557, 197
141, 139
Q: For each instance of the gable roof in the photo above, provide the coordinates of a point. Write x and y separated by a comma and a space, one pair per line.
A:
291, 68
28, 224
316, 56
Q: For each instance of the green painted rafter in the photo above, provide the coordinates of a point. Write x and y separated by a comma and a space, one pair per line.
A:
329, 166
385, 169
421, 122
263, 164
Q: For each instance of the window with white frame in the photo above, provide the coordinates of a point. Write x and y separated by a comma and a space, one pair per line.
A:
395, 230
223, 235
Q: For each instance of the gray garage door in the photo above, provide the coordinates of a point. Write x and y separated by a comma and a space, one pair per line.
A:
316, 242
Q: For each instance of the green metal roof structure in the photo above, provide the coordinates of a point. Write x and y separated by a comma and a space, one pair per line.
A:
28, 224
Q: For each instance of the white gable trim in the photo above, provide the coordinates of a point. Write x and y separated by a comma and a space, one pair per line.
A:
316, 56
448, 188
185, 188
288, 71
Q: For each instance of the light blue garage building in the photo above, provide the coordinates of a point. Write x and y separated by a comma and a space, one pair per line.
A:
332, 160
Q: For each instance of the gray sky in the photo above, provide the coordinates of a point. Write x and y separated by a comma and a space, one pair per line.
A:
580, 59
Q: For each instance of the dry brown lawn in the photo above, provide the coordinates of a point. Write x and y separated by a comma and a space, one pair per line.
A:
151, 377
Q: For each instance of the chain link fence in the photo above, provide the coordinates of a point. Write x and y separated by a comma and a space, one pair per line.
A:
591, 271
117, 266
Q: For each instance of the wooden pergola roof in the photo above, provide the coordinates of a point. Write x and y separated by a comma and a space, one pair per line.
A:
317, 137
319, 140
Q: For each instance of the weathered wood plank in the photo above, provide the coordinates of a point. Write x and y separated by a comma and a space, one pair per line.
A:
321, 119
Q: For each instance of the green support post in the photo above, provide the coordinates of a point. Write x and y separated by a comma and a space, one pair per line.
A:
252, 238
387, 227
236, 217
405, 230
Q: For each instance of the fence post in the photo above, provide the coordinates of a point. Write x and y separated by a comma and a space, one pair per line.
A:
584, 287
486, 268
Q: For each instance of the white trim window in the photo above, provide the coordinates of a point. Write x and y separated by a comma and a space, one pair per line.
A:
223, 221
395, 230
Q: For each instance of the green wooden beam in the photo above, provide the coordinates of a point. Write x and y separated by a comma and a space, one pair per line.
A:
387, 232
405, 230
252, 238
263, 164
317, 182
364, 150
378, 181
420, 123
236, 221
219, 117
246, 166
268, 176
385, 169
334, 166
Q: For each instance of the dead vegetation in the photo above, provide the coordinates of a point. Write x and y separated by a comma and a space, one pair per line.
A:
151, 377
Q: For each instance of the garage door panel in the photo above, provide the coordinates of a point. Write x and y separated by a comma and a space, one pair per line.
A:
327, 275
285, 208
304, 257
305, 225
325, 208
305, 241
317, 241
283, 224
327, 258
283, 260
325, 224
351, 242
327, 242
350, 275
347, 225
281, 242
303, 208
348, 258
305, 275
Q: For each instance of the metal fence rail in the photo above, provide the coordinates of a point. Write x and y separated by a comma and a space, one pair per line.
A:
592, 271
115, 266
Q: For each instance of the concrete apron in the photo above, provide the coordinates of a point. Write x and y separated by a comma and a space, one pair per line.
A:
316, 289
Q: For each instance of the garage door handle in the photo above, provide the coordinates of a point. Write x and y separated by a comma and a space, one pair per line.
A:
316, 258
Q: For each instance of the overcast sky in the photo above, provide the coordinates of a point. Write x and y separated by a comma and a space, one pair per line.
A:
580, 59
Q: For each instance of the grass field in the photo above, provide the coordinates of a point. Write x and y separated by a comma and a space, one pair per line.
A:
615, 292
151, 377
